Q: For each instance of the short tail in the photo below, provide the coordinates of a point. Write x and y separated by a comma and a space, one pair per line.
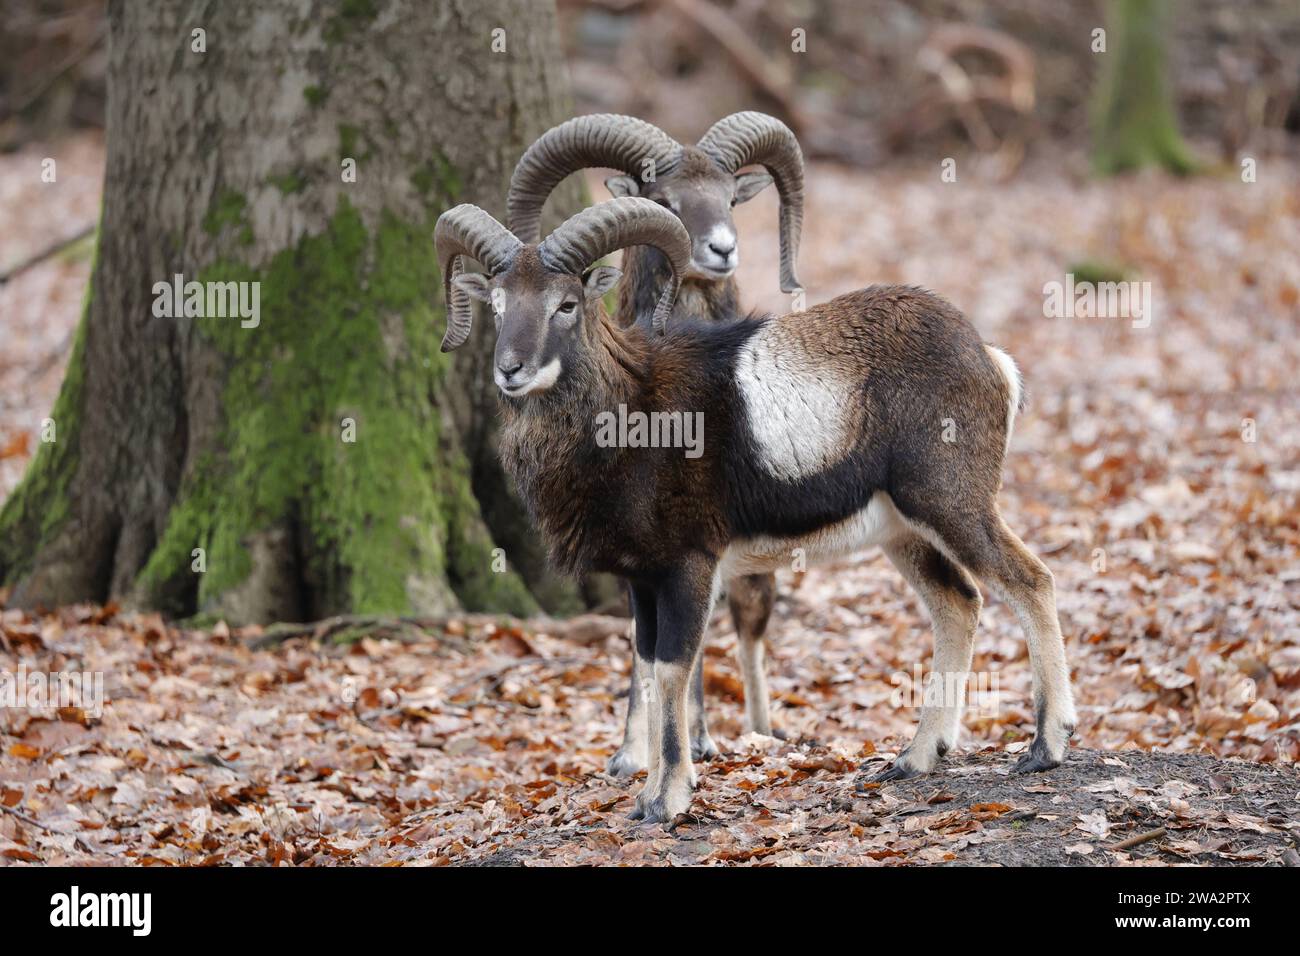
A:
1015, 385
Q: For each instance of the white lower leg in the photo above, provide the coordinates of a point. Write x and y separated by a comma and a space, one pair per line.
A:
676, 775
753, 673
633, 755
954, 606
954, 645
1033, 597
1053, 696
650, 694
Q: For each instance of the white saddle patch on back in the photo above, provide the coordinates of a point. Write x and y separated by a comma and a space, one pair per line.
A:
797, 411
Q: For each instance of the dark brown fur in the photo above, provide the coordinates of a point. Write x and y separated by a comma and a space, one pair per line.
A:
912, 359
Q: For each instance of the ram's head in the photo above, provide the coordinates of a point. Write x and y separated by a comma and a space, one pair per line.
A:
699, 184
544, 295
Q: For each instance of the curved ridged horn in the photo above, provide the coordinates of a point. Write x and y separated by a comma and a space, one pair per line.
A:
601, 139
468, 231
616, 224
747, 138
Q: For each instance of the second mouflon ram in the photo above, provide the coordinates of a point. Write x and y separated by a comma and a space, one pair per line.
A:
823, 430
701, 185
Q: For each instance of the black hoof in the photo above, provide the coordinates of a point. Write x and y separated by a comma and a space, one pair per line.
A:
655, 812
897, 771
1033, 763
1035, 760
623, 765
704, 749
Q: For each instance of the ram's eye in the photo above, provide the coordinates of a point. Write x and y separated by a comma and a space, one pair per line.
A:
567, 308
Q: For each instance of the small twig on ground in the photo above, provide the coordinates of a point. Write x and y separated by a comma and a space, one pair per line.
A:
24, 818
1138, 840
497, 674
53, 249
194, 753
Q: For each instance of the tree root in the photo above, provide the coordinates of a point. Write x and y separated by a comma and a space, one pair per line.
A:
345, 628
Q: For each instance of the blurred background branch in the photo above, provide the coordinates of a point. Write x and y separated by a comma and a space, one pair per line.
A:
52, 67
884, 79
874, 79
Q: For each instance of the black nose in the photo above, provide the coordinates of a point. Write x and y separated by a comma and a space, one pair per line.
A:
509, 372
722, 250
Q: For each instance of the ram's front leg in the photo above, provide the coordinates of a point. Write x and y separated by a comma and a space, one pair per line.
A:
684, 602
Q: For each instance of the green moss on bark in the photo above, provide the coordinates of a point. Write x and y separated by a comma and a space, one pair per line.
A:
352, 15
290, 183
229, 210
437, 175
346, 344
354, 143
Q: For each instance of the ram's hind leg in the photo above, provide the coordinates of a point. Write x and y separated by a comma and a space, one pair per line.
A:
953, 602
1026, 584
994, 554
750, 599
702, 745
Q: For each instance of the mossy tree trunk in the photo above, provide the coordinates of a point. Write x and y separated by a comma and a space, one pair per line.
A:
328, 458
1134, 122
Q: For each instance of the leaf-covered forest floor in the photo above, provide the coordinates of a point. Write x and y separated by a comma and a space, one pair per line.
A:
1156, 470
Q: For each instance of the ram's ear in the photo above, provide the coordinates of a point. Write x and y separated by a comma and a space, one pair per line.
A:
749, 185
600, 280
623, 186
475, 285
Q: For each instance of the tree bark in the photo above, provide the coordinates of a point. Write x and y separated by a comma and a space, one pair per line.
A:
1134, 123
329, 459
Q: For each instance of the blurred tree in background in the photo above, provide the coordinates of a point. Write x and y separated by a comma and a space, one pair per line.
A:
1134, 124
